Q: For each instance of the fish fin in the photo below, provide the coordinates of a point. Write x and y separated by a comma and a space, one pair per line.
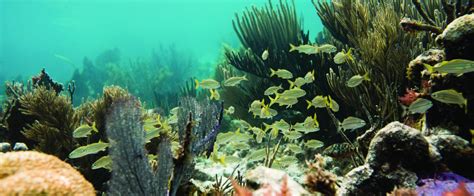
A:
213, 94
349, 55
273, 72
366, 76
274, 100
267, 126
197, 83
428, 67
465, 106
292, 47
309, 104
291, 84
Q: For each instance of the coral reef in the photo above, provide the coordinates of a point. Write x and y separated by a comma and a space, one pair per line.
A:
40, 117
392, 161
382, 50
54, 121
320, 180
453, 41
33, 173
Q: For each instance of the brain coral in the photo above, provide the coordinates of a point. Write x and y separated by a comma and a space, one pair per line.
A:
35, 173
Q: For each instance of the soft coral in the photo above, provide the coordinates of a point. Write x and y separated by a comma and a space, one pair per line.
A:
409, 97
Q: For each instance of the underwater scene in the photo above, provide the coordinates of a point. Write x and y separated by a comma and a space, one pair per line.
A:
237, 97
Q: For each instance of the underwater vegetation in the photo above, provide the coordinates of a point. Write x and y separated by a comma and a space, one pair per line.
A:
153, 80
379, 103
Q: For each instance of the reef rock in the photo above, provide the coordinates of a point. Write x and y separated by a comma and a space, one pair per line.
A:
399, 145
458, 37
365, 180
35, 173
271, 180
396, 154
455, 151
416, 66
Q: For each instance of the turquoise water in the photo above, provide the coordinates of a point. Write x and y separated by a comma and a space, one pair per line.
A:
39, 33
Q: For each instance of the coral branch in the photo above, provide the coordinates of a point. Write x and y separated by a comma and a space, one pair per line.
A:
412, 26
449, 10
422, 12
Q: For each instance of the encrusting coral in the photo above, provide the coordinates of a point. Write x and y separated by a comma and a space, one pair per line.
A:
320, 180
34, 173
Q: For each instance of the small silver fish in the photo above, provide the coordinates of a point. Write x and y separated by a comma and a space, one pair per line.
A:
313, 144
272, 90
294, 148
89, 149
82, 131
420, 106
357, 79
207, 84
293, 93
351, 123
309, 77
342, 57
317, 102
326, 48
456, 66
298, 82
306, 49
450, 96
234, 81
281, 73
103, 162
265, 55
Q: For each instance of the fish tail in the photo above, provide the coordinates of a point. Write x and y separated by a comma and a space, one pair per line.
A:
349, 55
428, 67
273, 72
465, 106
245, 77
291, 84
197, 83
213, 94
266, 126
273, 100
366, 76
309, 104
292, 47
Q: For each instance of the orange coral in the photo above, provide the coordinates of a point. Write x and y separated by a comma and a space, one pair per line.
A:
267, 189
460, 191
33, 173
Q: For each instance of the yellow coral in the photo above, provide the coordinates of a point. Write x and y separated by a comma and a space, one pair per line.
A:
35, 173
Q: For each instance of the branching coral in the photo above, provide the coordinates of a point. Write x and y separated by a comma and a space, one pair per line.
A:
34, 173
40, 117
54, 121
383, 51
